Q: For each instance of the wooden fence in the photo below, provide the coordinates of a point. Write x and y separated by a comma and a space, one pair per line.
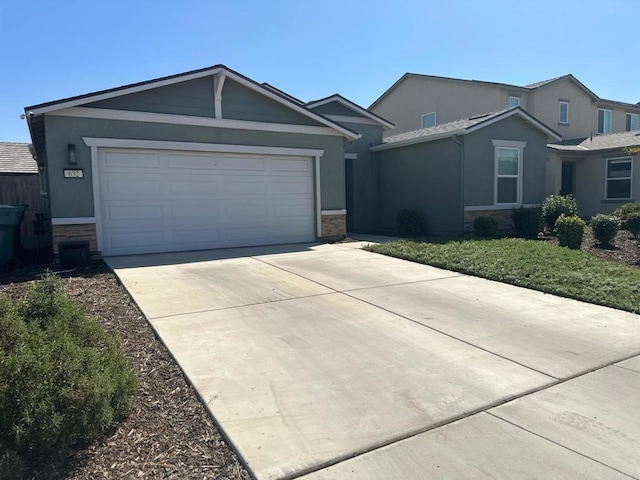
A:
19, 189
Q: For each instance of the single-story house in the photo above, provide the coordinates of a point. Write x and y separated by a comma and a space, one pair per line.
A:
597, 170
20, 184
211, 159
484, 165
203, 159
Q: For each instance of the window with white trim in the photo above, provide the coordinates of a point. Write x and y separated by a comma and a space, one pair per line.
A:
508, 172
514, 101
619, 174
429, 120
564, 112
604, 121
632, 122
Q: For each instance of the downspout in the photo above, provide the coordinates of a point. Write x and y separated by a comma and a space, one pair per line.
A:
461, 145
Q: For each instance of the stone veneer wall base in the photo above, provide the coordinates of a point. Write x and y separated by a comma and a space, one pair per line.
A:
85, 231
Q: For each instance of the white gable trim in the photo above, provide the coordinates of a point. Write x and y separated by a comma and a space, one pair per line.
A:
183, 78
148, 117
199, 147
125, 91
355, 108
521, 113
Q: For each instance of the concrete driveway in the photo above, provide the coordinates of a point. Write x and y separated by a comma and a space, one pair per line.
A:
329, 362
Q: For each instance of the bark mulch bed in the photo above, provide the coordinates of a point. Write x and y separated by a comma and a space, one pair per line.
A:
623, 249
168, 434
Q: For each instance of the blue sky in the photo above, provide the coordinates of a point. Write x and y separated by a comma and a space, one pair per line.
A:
310, 49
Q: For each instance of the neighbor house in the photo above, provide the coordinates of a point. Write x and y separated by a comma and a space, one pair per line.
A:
586, 123
20, 184
202, 159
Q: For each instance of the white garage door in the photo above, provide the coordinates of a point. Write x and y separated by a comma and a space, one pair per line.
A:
163, 201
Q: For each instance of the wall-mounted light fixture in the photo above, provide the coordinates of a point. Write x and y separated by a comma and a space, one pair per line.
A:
72, 154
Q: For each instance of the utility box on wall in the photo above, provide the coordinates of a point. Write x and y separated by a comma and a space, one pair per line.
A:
74, 253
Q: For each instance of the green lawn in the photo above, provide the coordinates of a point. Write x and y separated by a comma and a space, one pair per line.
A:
528, 263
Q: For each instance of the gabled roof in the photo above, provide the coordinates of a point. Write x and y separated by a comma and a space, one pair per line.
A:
16, 158
268, 91
461, 127
531, 86
612, 141
621, 104
282, 92
544, 83
337, 98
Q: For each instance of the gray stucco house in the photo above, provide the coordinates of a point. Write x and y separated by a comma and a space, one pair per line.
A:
211, 159
484, 165
203, 159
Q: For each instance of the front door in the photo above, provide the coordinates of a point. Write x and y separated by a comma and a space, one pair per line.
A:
568, 178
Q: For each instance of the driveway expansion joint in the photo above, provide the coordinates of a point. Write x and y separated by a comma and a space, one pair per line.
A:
495, 415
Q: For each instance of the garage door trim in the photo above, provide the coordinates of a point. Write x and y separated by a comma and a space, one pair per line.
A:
95, 143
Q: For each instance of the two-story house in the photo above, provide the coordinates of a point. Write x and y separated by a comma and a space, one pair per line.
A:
599, 173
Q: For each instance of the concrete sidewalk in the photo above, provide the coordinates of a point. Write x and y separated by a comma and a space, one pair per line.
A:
339, 363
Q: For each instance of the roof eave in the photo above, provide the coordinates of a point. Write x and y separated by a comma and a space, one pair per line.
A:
387, 125
417, 140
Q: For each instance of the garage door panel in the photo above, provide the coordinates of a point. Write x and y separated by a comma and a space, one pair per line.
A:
131, 159
134, 212
199, 213
240, 187
184, 201
244, 163
181, 161
139, 240
192, 238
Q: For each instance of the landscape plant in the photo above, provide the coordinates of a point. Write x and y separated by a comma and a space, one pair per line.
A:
485, 227
570, 231
63, 380
527, 221
410, 223
604, 228
555, 205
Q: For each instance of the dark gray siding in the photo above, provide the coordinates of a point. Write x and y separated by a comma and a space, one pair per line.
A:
334, 108
193, 97
362, 189
423, 177
74, 197
480, 161
241, 103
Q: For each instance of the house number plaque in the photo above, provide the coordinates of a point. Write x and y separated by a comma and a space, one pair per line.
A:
73, 173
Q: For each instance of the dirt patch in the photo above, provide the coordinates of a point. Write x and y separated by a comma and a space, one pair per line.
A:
169, 433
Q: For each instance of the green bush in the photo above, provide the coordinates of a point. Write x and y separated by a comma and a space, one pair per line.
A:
625, 211
570, 230
485, 227
555, 205
410, 223
605, 227
633, 224
63, 380
527, 221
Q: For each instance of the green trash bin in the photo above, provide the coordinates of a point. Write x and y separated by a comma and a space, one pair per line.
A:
10, 217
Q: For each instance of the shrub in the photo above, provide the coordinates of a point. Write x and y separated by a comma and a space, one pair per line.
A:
605, 227
555, 205
485, 227
410, 223
570, 230
633, 224
527, 221
63, 380
625, 211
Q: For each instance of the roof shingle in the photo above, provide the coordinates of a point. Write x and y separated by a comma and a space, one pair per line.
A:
612, 141
16, 158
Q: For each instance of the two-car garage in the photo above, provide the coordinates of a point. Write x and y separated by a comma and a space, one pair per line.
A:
170, 200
